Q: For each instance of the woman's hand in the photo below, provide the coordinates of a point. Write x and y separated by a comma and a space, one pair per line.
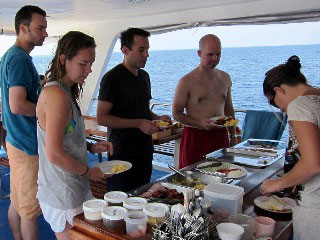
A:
95, 174
102, 146
270, 186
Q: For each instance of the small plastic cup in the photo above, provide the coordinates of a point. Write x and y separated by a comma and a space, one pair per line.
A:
155, 212
246, 222
264, 226
229, 231
113, 218
92, 209
136, 223
134, 203
115, 198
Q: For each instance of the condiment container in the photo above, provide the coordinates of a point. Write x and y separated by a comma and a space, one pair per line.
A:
93, 208
155, 212
136, 223
113, 218
134, 203
115, 198
225, 199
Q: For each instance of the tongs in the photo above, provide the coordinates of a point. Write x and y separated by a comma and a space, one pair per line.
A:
179, 172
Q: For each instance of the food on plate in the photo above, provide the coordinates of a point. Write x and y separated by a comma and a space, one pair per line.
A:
226, 121
189, 182
258, 150
161, 124
159, 191
231, 171
117, 168
276, 204
200, 186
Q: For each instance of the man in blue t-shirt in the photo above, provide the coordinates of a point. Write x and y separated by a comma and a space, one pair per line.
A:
20, 86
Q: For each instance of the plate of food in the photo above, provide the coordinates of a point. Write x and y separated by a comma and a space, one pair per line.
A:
114, 166
231, 170
275, 204
162, 124
225, 121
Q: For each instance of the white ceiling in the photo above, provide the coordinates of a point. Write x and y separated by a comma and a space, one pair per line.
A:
210, 12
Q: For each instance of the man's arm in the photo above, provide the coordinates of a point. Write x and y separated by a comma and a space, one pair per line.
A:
229, 111
104, 118
18, 102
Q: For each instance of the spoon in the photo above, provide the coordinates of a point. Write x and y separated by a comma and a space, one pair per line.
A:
177, 171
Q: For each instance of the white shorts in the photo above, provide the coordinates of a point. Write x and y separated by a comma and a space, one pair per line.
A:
57, 218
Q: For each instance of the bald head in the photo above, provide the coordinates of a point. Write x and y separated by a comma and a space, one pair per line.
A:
209, 39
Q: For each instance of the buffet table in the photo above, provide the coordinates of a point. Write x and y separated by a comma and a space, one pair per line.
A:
251, 184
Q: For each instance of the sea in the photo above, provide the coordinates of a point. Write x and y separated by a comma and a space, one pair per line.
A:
246, 66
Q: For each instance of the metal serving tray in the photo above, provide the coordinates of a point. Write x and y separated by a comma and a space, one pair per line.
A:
238, 154
206, 179
259, 152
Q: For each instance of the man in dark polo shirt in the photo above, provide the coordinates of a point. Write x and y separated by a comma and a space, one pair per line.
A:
123, 107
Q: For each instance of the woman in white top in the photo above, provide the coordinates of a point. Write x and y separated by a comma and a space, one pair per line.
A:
287, 89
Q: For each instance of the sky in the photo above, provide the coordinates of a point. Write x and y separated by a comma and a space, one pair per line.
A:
231, 36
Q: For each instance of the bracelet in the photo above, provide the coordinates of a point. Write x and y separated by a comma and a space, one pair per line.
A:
233, 136
85, 173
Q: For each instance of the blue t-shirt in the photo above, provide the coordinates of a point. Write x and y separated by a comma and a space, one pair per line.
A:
17, 69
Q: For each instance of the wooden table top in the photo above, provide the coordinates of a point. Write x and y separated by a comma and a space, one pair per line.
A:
84, 230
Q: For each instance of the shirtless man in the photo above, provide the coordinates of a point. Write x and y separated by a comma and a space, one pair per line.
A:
203, 93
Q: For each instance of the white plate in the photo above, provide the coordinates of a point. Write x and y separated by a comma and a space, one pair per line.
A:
260, 200
107, 166
243, 171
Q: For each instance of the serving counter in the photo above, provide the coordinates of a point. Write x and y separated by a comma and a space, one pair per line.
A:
251, 185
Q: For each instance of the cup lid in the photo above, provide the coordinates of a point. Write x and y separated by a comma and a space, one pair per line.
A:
156, 209
94, 205
224, 191
115, 196
114, 213
134, 203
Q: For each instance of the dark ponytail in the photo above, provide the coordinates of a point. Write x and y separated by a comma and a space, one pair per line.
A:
288, 73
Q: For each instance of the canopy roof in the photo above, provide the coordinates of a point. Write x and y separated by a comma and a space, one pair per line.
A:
105, 19
161, 14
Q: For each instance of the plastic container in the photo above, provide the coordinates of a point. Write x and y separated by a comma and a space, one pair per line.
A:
134, 203
113, 218
136, 223
115, 198
155, 212
92, 209
229, 231
225, 199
